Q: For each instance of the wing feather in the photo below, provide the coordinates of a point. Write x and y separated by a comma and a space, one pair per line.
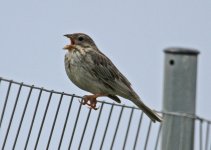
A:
103, 69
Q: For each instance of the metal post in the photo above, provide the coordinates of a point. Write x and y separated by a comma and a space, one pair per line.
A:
179, 96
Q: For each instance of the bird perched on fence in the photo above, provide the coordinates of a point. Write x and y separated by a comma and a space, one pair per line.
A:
89, 69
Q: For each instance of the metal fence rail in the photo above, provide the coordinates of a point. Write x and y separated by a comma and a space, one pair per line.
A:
38, 118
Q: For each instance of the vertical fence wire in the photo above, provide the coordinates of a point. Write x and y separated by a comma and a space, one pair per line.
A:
148, 133
43, 120
138, 131
107, 124
65, 124
76, 121
96, 125
128, 127
200, 135
32, 122
85, 126
158, 136
116, 129
113, 135
22, 117
5, 102
54, 122
13, 112
207, 136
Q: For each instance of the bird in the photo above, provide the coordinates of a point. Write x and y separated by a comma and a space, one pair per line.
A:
91, 70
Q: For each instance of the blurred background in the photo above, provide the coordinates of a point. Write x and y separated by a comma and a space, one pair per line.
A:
132, 34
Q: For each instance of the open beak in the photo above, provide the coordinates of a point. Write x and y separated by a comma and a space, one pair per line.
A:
71, 45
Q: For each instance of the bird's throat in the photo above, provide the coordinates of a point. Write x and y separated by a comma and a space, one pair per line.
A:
69, 47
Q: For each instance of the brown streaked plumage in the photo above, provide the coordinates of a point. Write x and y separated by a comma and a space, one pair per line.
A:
89, 69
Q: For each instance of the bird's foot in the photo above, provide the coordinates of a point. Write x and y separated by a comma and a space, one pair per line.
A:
90, 100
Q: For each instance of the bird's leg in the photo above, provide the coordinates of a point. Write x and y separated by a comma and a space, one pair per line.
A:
91, 100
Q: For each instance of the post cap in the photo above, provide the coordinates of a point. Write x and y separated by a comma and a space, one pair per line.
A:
182, 51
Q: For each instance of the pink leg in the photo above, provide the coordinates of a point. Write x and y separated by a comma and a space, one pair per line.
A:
91, 100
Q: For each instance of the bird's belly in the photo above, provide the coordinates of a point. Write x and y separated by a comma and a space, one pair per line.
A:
80, 76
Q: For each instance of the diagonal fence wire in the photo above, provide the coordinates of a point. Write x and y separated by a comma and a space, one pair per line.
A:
33, 117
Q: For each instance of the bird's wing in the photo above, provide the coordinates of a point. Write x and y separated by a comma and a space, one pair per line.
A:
103, 69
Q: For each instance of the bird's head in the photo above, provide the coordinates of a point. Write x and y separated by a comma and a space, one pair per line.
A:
79, 39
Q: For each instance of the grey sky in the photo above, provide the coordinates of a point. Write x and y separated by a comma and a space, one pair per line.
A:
132, 34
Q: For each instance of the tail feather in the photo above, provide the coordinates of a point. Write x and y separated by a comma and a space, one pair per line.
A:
115, 98
130, 94
150, 113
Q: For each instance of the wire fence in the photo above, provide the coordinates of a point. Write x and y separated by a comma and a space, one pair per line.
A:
38, 118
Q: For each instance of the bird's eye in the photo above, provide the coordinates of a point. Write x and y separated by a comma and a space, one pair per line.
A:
80, 38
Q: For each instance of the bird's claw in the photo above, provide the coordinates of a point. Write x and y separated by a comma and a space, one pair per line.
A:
90, 102
93, 107
82, 101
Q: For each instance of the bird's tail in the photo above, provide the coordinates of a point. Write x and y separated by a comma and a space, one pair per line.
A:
130, 94
150, 113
